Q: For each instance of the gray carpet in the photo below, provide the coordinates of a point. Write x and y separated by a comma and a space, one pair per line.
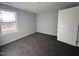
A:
38, 44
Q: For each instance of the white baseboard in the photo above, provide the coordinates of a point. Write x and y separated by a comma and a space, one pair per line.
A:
47, 33
16, 39
21, 37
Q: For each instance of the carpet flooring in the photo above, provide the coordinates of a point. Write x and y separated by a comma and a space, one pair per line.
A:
38, 44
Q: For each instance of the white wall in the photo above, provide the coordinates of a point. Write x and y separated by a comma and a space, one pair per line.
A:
26, 25
47, 22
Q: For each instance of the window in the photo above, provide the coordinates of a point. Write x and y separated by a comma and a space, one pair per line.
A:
7, 21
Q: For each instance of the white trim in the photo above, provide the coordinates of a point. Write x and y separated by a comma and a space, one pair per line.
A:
47, 33
16, 39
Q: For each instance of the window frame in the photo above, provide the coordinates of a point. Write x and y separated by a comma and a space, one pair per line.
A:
15, 23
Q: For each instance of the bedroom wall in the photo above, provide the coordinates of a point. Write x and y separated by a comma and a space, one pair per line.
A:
26, 23
47, 22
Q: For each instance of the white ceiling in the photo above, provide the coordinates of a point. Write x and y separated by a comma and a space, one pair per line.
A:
36, 7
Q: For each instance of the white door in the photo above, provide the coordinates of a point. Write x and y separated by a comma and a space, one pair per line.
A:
67, 26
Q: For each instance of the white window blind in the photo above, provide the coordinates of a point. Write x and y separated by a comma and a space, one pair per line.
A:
7, 21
